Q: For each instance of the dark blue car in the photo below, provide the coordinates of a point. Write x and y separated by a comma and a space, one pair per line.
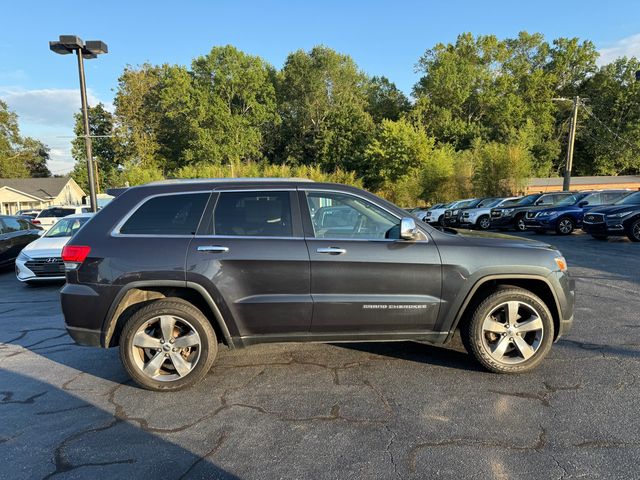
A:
565, 216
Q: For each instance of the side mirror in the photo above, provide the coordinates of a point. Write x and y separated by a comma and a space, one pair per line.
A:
408, 228
583, 203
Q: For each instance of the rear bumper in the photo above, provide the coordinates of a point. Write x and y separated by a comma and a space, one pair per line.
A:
85, 336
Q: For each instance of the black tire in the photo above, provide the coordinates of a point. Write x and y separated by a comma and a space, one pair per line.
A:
518, 224
484, 222
187, 314
441, 220
565, 226
602, 238
633, 230
474, 339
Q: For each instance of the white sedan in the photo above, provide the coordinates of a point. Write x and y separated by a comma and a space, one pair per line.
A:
42, 259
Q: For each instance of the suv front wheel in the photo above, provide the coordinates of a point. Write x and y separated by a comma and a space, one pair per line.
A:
168, 345
511, 331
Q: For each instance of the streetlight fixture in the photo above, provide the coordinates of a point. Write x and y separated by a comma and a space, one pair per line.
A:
91, 49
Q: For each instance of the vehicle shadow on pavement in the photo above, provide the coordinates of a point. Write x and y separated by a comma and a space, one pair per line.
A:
418, 352
66, 433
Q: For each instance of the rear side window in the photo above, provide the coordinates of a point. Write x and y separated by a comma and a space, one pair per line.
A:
167, 215
11, 225
253, 214
57, 212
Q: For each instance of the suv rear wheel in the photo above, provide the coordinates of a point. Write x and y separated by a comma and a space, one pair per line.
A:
168, 345
511, 331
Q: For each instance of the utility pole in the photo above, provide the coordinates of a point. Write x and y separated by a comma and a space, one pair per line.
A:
69, 44
566, 184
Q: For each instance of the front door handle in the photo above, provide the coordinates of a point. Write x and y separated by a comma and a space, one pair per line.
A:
332, 250
213, 249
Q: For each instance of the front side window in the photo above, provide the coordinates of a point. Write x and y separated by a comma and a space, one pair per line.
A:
633, 199
338, 215
167, 215
253, 214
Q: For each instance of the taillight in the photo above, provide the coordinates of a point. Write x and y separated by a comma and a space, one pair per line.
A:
35, 222
74, 255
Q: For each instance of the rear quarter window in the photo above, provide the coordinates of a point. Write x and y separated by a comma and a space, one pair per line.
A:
167, 215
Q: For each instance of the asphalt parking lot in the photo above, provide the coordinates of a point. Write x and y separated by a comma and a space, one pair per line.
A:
384, 410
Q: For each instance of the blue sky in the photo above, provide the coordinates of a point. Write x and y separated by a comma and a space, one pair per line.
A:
384, 38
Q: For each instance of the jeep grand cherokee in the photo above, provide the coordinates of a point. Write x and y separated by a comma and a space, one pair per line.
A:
169, 269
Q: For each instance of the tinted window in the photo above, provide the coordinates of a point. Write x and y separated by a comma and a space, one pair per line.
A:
337, 215
167, 215
610, 197
57, 212
24, 225
11, 225
593, 199
633, 199
253, 214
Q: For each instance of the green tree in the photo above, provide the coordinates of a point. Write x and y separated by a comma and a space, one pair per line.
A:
235, 102
104, 147
500, 169
385, 100
608, 134
322, 100
20, 157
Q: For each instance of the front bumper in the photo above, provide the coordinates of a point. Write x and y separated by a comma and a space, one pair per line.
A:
502, 221
540, 223
608, 227
25, 274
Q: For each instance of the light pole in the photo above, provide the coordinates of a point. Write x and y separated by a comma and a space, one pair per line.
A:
91, 49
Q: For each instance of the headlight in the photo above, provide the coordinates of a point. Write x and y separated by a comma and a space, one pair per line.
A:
508, 211
455, 212
562, 263
619, 215
547, 214
23, 257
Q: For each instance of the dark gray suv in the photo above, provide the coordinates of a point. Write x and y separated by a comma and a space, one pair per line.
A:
169, 269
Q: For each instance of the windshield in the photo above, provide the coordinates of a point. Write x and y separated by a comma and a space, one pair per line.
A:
528, 200
66, 227
489, 202
570, 200
633, 199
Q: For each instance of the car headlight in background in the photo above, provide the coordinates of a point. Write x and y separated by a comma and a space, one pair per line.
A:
508, 211
619, 215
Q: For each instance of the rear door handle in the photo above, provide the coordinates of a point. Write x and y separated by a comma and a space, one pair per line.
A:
213, 249
332, 250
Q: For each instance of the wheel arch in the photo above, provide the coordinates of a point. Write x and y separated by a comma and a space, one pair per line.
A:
138, 294
537, 285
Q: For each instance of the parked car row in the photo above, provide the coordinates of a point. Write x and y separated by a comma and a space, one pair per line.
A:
37, 251
601, 213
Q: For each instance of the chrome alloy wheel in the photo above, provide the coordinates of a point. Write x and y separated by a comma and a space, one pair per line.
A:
565, 226
166, 348
512, 333
484, 223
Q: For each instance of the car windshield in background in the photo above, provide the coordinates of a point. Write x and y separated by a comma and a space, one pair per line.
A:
488, 202
66, 227
570, 200
633, 199
528, 200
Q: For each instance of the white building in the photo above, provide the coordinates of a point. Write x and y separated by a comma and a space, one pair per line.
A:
28, 193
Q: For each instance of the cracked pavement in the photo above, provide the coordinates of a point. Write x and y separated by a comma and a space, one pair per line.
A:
381, 410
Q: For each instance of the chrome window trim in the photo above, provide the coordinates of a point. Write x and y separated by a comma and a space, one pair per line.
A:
320, 189
115, 232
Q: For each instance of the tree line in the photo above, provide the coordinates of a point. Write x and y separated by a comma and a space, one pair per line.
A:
20, 157
485, 115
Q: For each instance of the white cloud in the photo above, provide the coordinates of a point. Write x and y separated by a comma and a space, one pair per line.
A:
50, 106
48, 115
625, 47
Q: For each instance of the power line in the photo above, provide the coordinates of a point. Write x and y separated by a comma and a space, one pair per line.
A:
606, 127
